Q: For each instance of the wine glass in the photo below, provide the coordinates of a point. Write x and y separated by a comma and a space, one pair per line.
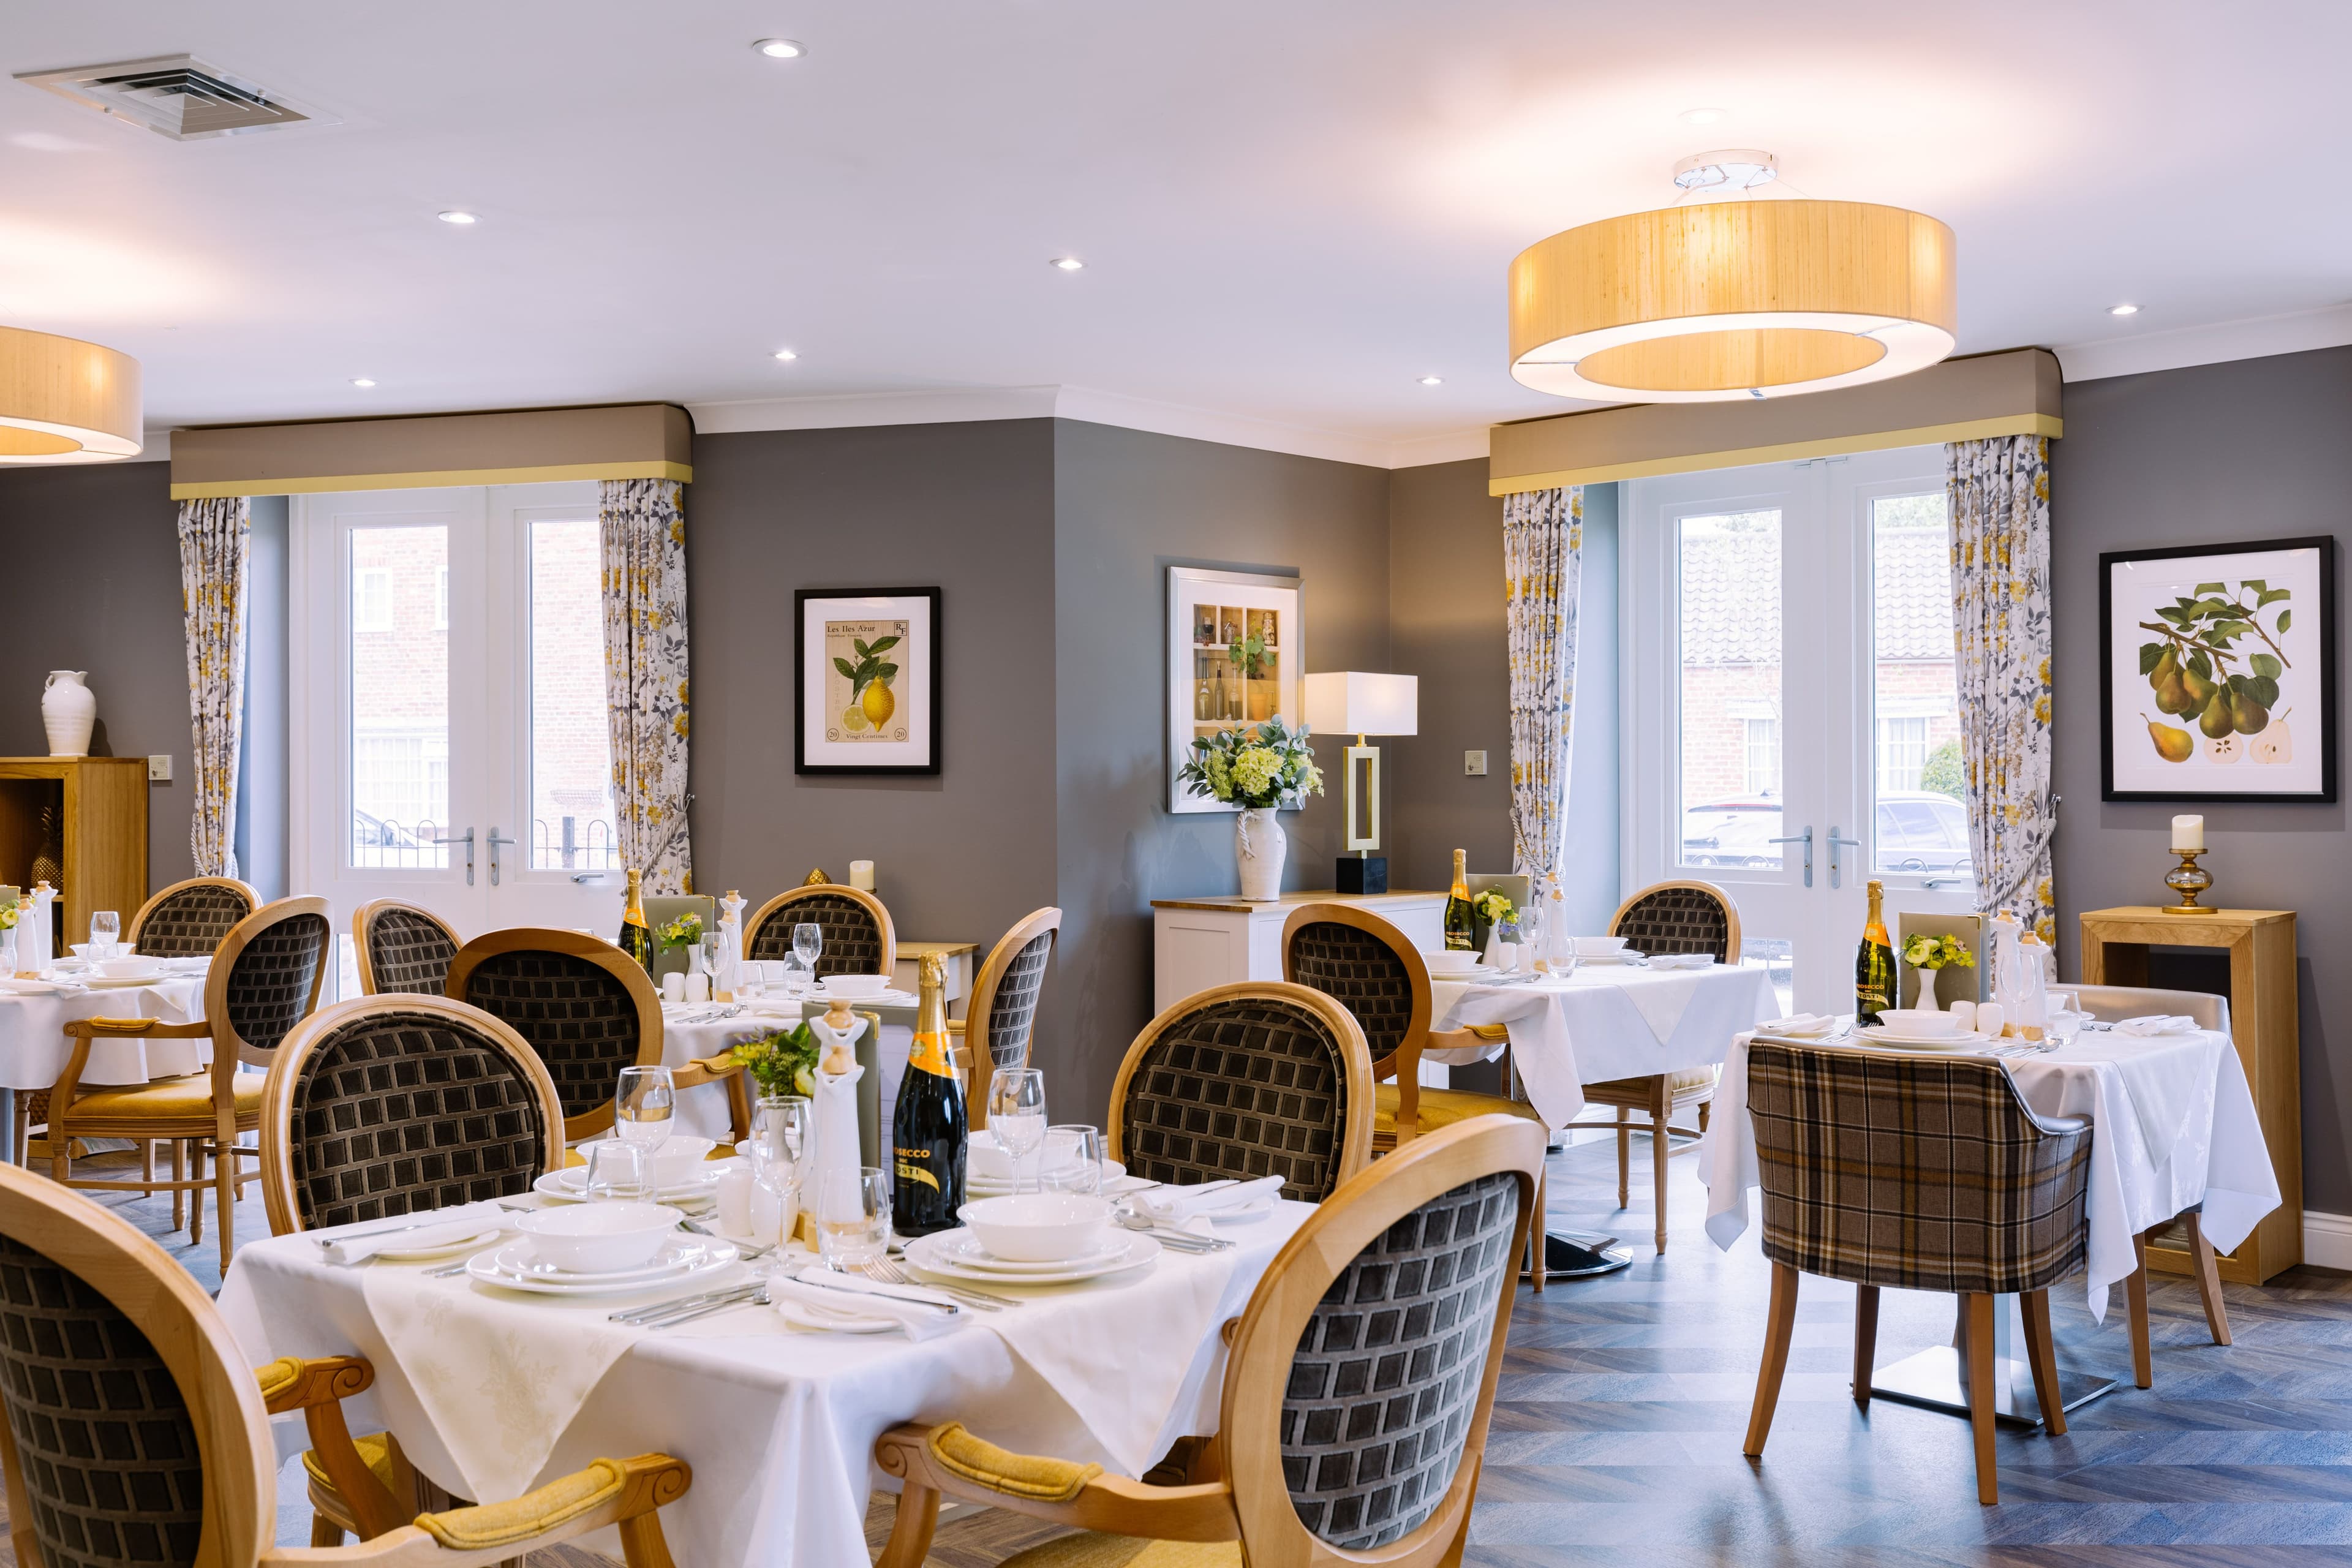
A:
780, 1125
105, 926
1016, 1114
808, 943
642, 1106
853, 1217
616, 1173
1074, 1160
710, 947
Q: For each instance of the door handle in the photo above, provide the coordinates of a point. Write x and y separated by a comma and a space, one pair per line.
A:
468, 842
494, 842
1806, 838
1835, 842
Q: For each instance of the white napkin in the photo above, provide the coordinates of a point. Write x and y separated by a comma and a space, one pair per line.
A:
840, 1295
1174, 1206
1798, 1025
460, 1223
2157, 1024
34, 987
1681, 960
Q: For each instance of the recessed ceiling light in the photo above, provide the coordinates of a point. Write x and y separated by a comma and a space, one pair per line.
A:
459, 215
787, 355
1702, 116
2123, 310
1432, 381
780, 48
362, 380
1068, 263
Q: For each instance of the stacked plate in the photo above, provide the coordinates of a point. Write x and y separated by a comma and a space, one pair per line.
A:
958, 1255
570, 1183
1115, 1180
1892, 1038
681, 1259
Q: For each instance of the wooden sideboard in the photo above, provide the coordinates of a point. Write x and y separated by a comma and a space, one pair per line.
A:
101, 829
1200, 942
2261, 947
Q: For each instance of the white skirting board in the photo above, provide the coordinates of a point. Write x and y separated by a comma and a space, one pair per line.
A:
2327, 1240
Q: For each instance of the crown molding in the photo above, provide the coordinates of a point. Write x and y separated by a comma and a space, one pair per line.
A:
2256, 338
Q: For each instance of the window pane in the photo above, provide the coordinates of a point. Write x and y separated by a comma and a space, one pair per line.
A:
1922, 817
400, 696
570, 747
1728, 572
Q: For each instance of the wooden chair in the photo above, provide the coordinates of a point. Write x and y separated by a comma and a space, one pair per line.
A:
1947, 1136
858, 937
1667, 917
587, 1010
136, 1432
264, 980
188, 919
1366, 965
1356, 1392
1003, 1011
1253, 1079
401, 947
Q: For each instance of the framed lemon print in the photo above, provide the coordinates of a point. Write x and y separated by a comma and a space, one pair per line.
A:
865, 674
2218, 681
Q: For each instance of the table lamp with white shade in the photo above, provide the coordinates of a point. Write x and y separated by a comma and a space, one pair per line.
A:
1350, 700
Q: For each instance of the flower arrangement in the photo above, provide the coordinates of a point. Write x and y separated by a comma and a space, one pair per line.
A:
683, 932
1253, 769
1493, 907
781, 1061
1925, 952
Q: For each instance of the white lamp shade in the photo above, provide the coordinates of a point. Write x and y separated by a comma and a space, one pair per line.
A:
1351, 702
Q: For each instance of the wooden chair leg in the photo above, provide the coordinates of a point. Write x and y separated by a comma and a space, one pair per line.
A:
1624, 1157
2042, 1354
1705, 1106
325, 1531
24, 1144
1661, 1148
224, 1183
1779, 1325
643, 1544
196, 1193
180, 1174
1536, 1233
2136, 1298
1979, 1375
2209, 1279
909, 1545
147, 1165
1866, 1340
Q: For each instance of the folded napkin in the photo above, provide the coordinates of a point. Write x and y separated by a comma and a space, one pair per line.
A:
2157, 1024
1800, 1025
13, 986
856, 1297
1174, 1206
1681, 960
459, 1225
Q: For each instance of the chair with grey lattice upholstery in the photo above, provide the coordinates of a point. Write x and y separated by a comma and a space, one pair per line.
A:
134, 1431
1915, 1173
1360, 1378
1001, 1015
858, 936
401, 947
1259, 1079
188, 919
584, 1007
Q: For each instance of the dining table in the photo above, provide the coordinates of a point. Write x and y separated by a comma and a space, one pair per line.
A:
491, 1392
33, 1048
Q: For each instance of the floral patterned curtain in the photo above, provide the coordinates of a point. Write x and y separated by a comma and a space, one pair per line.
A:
215, 545
2000, 491
1543, 539
643, 528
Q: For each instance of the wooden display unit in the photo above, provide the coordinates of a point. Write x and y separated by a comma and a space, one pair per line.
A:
102, 804
2261, 947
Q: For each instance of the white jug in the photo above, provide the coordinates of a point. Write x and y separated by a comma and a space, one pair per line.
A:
68, 711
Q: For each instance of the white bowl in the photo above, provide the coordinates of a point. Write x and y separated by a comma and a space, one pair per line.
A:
1038, 1227
1919, 1023
856, 985
127, 968
598, 1238
1599, 946
1450, 961
677, 1158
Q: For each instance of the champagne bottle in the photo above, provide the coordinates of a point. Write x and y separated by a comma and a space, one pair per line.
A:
636, 940
1461, 926
1873, 967
927, 1133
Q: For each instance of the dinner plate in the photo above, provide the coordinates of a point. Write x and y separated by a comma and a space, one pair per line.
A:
924, 1252
962, 1248
553, 1185
1623, 955
1881, 1035
482, 1237
804, 1315
1115, 1180
121, 982
681, 1260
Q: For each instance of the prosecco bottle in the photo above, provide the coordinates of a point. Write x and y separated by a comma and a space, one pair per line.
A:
928, 1132
1461, 926
636, 940
1873, 967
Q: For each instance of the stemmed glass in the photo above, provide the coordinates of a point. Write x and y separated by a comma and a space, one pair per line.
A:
778, 1136
642, 1106
105, 926
1080, 1167
1016, 1114
808, 943
853, 1217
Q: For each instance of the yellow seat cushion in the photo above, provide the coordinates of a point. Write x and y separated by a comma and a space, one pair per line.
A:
1443, 1108
492, 1525
1681, 1082
374, 1451
1091, 1549
188, 1098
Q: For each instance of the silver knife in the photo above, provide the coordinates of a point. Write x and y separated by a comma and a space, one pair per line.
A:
814, 1280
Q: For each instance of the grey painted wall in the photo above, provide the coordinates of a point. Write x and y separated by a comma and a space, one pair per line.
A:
90, 561
1128, 505
2252, 449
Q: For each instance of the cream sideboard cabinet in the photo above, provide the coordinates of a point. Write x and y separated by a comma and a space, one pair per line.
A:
1200, 942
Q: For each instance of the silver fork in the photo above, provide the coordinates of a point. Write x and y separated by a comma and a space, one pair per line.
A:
742, 1248
890, 1273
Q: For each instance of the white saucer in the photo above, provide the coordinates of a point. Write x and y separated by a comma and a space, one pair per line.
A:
1115, 1180
1623, 955
963, 1249
483, 1237
802, 1315
925, 1253
1882, 1036
121, 982
552, 1184
682, 1259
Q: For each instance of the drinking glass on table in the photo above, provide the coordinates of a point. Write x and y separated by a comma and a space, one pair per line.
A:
778, 1134
1074, 1160
853, 1217
808, 943
617, 1173
2065, 1023
791, 977
105, 927
1016, 1114
642, 1106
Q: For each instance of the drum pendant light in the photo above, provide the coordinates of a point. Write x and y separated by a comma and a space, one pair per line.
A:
1732, 299
66, 401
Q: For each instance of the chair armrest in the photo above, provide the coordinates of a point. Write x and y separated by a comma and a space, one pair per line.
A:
705, 1069
2057, 1126
624, 1492
292, 1382
88, 1029
957, 1025
317, 1387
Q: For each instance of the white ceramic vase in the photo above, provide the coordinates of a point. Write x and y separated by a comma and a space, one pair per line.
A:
69, 712
1259, 848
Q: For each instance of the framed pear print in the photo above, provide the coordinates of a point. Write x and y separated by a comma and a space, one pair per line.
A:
866, 678
2217, 677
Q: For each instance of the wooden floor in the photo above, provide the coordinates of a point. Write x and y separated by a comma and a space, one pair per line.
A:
1623, 1402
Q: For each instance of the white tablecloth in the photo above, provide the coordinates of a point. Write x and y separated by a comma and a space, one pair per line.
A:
33, 1048
1604, 1022
779, 1426
702, 1112
2216, 1157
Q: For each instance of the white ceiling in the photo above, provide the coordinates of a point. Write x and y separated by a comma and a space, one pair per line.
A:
1290, 209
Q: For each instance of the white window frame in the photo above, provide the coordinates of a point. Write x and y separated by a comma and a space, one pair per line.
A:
371, 583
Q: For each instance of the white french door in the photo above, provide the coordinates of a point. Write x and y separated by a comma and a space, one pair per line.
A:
1791, 726
450, 744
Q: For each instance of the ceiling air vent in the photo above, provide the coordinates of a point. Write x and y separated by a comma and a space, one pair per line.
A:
177, 96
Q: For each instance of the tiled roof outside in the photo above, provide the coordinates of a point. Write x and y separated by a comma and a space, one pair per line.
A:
1731, 594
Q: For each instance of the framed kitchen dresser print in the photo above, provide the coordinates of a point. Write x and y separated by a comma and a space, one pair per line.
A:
866, 680
1236, 647
2217, 680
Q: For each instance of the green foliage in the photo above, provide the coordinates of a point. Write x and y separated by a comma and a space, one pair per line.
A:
683, 932
870, 666
1271, 765
781, 1062
1945, 773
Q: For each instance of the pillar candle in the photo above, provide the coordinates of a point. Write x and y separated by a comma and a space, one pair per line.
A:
2188, 833
861, 875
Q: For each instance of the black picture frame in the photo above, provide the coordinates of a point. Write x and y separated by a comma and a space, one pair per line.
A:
930, 755
2112, 677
